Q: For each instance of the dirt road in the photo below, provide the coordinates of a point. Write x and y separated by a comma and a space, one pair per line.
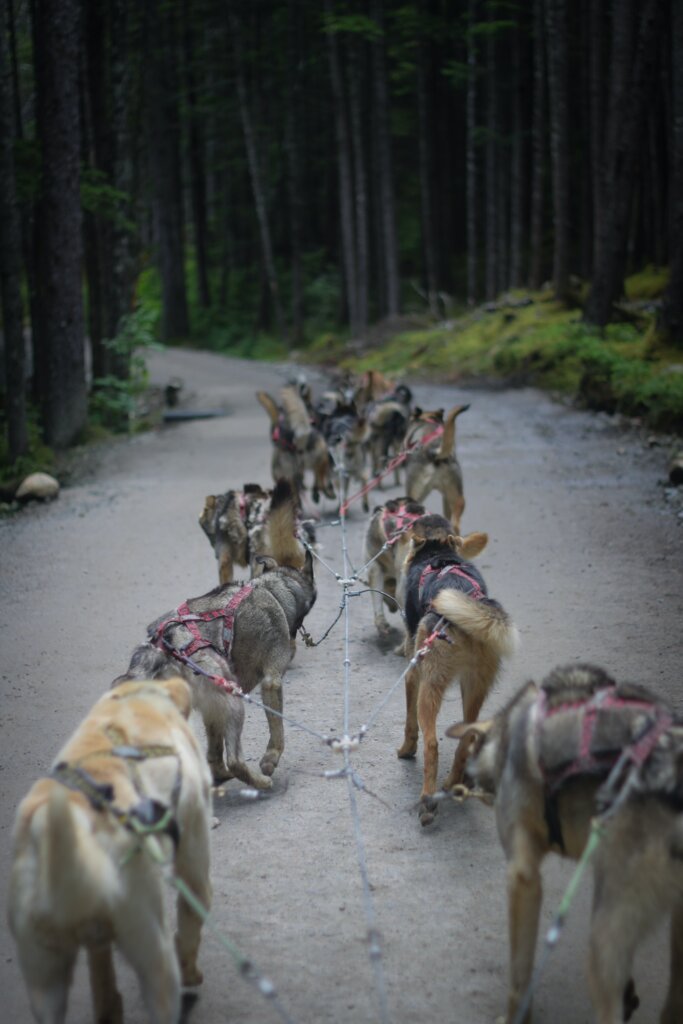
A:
585, 553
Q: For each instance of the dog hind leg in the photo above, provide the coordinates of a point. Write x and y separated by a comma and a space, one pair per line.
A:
192, 866
151, 954
524, 905
48, 980
107, 1001
411, 733
271, 693
673, 1008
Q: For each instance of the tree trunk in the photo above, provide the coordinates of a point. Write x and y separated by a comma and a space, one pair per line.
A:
10, 265
389, 242
361, 185
196, 162
491, 173
293, 147
536, 270
425, 174
472, 191
256, 180
517, 166
122, 260
597, 118
59, 220
633, 79
557, 28
671, 319
345, 177
164, 162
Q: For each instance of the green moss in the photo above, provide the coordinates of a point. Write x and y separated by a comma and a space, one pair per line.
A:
648, 283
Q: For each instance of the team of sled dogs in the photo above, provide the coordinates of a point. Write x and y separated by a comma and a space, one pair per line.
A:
577, 748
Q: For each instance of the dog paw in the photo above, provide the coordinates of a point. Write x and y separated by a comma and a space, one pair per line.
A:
383, 628
427, 811
408, 750
191, 975
219, 772
269, 762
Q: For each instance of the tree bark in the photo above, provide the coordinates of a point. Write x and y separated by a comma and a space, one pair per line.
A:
536, 269
361, 185
632, 78
491, 171
10, 264
472, 216
556, 28
517, 166
344, 175
164, 162
294, 183
597, 119
196, 162
256, 179
389, 242
671, 319
425, 174
59, 220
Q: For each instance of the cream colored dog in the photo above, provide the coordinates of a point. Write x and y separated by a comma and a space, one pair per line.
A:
81, 875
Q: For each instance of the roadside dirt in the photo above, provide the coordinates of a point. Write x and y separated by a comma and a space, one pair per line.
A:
585, 553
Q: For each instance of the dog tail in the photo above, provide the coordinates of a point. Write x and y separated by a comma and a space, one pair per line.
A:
76, 875
270, 405
282, 522
484, 621
448, 437
298, 417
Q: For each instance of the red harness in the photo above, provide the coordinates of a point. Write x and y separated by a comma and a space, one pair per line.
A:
586, 763
184, 617
396, 523
476, 593
278, 439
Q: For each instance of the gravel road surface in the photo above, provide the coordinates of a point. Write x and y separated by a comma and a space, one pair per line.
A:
584, 552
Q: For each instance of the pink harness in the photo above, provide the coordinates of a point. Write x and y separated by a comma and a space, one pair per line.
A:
396, 523
586, 763
279, 441
476, 593
184, 617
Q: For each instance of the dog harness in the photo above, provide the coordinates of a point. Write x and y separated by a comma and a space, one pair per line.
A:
184, 617
278, 436
472, 586
607, 735
145, 817
396, 523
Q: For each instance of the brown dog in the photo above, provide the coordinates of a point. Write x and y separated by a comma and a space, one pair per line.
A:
465, 635
297, 445
434, 466
389, 525
236, 524
80, 876
545, 758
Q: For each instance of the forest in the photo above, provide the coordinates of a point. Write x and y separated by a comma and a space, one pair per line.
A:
215, 170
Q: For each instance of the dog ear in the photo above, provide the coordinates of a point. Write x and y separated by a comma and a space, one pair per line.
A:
263, 563
472, 545
308, 565
471, 734
179, 692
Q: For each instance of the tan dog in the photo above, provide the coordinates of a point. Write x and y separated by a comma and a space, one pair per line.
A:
434, 466
389, 525
297, 446
545, 758
448, 611
79, 874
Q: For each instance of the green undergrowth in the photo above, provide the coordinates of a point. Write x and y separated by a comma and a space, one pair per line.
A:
529, 339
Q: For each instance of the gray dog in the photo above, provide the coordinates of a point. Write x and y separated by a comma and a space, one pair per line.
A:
236, 635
